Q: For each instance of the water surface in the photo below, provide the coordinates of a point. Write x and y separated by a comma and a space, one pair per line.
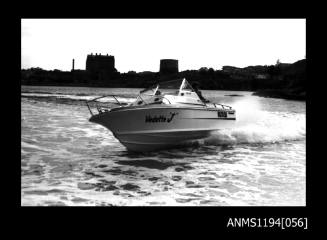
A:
66, 160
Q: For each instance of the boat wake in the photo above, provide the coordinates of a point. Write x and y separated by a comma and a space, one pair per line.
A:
73, 99
255, 125
255, 134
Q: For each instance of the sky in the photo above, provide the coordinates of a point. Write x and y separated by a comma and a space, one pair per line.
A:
139, 44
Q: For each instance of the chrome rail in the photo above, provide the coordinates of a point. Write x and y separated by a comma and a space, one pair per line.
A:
97, 106
215, 105
158, 96
223, 106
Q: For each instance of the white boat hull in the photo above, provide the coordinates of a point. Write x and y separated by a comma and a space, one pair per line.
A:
156, 127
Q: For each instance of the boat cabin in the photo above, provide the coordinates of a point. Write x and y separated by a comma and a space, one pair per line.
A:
170, 92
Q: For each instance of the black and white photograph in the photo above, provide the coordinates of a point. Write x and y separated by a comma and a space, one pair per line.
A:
163, 112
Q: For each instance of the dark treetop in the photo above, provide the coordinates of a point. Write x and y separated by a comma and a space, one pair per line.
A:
280, 80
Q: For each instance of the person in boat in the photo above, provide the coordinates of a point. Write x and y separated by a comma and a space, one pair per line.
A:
195, 87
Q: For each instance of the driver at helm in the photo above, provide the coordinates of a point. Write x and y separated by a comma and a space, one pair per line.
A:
195, 87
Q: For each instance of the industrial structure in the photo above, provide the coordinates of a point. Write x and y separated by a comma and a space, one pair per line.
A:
100, 67
168, 66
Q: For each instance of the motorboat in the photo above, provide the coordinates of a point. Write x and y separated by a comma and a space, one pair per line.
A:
166, 115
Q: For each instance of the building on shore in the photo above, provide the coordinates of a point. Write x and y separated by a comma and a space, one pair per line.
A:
168, 66
100, 67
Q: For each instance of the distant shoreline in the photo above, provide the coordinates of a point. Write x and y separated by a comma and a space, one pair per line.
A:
282, 94
269, 93
283, 80
95, 86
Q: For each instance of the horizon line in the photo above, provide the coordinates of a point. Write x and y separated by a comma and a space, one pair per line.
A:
159, 70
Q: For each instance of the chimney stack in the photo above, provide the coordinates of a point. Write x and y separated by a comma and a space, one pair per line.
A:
73, 67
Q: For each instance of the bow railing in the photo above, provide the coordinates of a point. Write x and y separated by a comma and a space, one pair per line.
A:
99, 107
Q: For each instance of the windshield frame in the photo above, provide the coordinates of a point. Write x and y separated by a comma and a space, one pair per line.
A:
181, 84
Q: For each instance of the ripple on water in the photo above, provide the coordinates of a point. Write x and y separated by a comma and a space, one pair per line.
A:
148, 163
185, 200
130, 187
33, 169
119, 171
176, 178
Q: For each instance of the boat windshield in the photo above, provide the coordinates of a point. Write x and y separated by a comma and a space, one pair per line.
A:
170, 87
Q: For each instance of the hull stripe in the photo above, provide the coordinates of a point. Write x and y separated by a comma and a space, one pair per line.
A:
212, 118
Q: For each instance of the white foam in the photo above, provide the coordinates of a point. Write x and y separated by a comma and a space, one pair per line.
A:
254, 125
45, 95
78, 97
